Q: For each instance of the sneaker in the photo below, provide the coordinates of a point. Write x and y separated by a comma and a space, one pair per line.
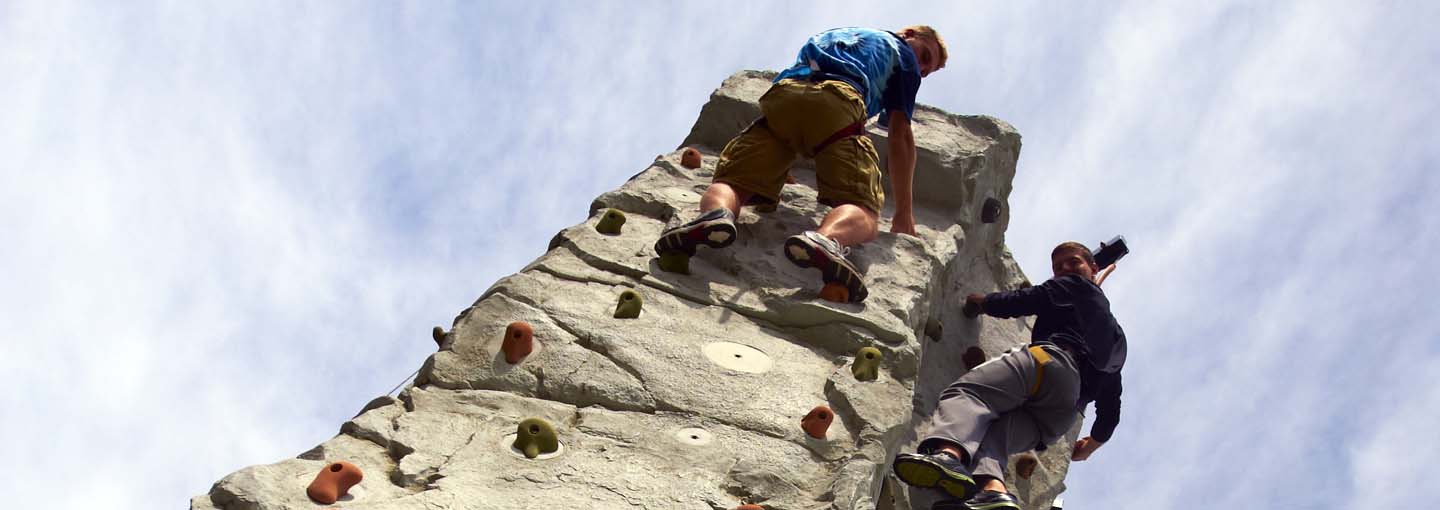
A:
991, 500
937, 470
715, 229
814, 250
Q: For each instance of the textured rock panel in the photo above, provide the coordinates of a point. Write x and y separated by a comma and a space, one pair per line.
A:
646, 416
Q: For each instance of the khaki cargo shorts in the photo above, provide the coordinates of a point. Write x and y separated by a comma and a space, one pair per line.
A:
799, 115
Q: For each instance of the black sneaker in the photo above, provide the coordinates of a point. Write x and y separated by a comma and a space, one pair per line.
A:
715, 229
991, 500
937, 470
811, 249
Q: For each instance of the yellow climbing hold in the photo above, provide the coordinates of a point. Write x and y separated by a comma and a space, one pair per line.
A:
628, 305
867, 364
610, 222
536, 437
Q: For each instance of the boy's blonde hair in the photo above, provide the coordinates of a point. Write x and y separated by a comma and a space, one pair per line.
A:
928, 33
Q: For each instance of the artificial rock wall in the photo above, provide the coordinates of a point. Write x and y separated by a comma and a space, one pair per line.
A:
697, 402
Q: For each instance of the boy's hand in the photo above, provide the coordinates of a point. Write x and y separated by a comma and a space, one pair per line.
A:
903, 223
974, 304
1083, 448
1103, 274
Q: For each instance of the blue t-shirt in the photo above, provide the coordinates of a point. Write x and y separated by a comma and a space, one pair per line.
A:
879, 64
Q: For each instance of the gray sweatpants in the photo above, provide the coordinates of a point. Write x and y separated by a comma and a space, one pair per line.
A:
990, 413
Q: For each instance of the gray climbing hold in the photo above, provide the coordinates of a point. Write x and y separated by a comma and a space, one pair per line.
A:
990, 212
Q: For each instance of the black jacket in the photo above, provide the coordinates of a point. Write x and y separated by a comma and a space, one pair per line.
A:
1073, 313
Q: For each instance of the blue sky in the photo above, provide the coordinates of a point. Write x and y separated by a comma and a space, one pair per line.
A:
226, 227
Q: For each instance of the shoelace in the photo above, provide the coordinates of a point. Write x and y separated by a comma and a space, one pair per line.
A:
834, 246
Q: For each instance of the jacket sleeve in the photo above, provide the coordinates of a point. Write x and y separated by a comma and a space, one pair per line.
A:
1107, 409
1021, 302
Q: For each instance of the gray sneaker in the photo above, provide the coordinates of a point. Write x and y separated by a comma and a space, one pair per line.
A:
935, 471
715, 228
811, 249
991, 500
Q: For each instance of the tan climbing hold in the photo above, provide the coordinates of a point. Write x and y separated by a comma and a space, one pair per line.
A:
835, 293
867, 364
535, 437
818, 421
690, 158
519, 342
333, 482
1026, 464
628, 305
973, 357
611, 222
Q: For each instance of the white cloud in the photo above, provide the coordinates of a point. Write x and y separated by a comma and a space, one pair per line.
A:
226, 227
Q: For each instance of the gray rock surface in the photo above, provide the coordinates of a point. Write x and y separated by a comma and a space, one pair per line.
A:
697, 402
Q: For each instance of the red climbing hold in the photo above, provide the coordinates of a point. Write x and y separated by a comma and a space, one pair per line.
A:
519, 342
690, 158
818, 421
333, 482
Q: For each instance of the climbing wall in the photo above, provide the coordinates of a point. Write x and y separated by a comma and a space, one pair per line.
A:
593, 379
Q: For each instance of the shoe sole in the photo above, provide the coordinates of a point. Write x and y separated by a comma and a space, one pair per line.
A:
992, 506
926, 475
805, 254
715, 234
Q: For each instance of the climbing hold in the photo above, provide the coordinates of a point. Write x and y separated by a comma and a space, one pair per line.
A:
439, 335
934, 328
628, 306
990, 212
610, 222
536, 437
818, 421
675, 262
333, 482
1026, 464
749, 507
519, 342
867, 364
690, 158
835, 293
973, 357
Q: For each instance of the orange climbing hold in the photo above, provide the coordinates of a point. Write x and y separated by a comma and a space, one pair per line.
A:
835, 292
749, 507
334, 482
519, 342
818, 421
690, 158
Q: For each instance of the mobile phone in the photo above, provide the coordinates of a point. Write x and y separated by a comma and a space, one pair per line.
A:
1111, 251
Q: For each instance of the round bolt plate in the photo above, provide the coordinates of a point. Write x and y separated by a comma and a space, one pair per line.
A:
507, 443
694, 436
738, 357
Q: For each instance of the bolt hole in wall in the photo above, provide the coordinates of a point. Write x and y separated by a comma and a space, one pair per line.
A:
534, 429
335, 468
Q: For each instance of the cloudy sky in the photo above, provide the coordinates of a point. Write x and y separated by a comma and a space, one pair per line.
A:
225, 227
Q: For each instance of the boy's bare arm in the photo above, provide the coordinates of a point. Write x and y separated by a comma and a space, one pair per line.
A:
902, 172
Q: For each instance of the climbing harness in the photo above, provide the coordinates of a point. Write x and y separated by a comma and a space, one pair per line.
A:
1042, 358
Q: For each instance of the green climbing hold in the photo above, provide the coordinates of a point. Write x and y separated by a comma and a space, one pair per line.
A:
867, 364
610, 222
628, 306
536, 437
675, 262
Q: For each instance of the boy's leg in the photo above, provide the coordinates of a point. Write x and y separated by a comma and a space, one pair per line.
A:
962, 419
752, 165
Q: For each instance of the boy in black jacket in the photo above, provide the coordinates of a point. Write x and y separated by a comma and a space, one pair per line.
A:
1026, 398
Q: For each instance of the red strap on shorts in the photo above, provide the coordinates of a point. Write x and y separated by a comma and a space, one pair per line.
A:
855, 129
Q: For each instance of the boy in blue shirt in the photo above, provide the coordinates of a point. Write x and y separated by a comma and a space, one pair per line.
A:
818, 108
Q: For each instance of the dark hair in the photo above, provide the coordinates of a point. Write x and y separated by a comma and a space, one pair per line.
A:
1069, 246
